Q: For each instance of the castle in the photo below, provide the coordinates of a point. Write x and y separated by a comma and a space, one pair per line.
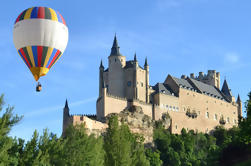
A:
193, 102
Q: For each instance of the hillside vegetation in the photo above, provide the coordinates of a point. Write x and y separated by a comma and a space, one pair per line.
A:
120, 147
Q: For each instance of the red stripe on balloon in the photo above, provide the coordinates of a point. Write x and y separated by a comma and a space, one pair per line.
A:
62, 19
39, 55
41, 12
18, 17
25, 58
54, 58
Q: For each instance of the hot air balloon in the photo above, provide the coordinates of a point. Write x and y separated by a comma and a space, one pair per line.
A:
40, 36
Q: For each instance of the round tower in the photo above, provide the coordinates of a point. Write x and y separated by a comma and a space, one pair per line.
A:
117, 63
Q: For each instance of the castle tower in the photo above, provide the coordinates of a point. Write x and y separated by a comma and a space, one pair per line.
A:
66, 116
101, 77
146, 67
238, 101
136, 64
116, 73
212, 78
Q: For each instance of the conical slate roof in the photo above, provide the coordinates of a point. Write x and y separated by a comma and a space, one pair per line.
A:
115, 48
66, 104
238, 99
225, 89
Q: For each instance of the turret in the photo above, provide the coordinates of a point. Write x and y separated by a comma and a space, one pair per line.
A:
146, 67
66, 117
227, 92
135, 60
101, 77
116, 77
238, 101
116, 58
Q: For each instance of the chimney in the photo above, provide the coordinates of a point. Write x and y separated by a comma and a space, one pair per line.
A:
183, 77
201, 74
192, 75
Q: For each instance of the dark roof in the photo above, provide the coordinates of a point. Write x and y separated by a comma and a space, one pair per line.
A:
146, 64
238, 99
163, 88
200, 87
130, 64
207, 89
115, 48
182, 83
225, 89
66, 104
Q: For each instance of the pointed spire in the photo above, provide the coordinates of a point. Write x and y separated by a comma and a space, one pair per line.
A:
146, 64
225, 89
238, 99
66, 104
135, 57
101, 64
115, 47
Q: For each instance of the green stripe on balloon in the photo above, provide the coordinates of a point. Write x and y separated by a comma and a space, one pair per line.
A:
47, 13
44, 53
27, 55
22, 15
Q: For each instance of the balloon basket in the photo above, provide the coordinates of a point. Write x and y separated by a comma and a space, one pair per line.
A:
38, 87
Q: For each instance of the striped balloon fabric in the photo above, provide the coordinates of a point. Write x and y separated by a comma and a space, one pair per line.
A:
39, 56
40, 36
40, 13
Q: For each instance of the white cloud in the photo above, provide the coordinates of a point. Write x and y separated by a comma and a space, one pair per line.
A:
232, 57
46, 110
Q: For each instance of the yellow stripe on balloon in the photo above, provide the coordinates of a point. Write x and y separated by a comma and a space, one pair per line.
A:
31, 55
48, 55
53, 15
28, 14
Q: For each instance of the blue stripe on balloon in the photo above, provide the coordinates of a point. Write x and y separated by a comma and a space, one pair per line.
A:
51, 57
34, 12
59, 17
23, 58
34, 51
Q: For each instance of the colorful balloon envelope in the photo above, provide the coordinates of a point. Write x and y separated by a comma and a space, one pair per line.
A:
40, 35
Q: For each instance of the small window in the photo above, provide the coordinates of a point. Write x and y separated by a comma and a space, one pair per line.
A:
81, 118
170, 108
228, 120
129, 83
142, 84
173, 108
167, 106
235, 122
215, 117
177, 109
176, 127
207, 114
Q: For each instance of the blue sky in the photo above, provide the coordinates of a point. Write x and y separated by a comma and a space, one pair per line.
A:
177, 36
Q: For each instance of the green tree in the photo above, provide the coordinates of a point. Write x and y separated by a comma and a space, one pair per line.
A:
122, 147
7, 121
245, 123
153, 157
81, 149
